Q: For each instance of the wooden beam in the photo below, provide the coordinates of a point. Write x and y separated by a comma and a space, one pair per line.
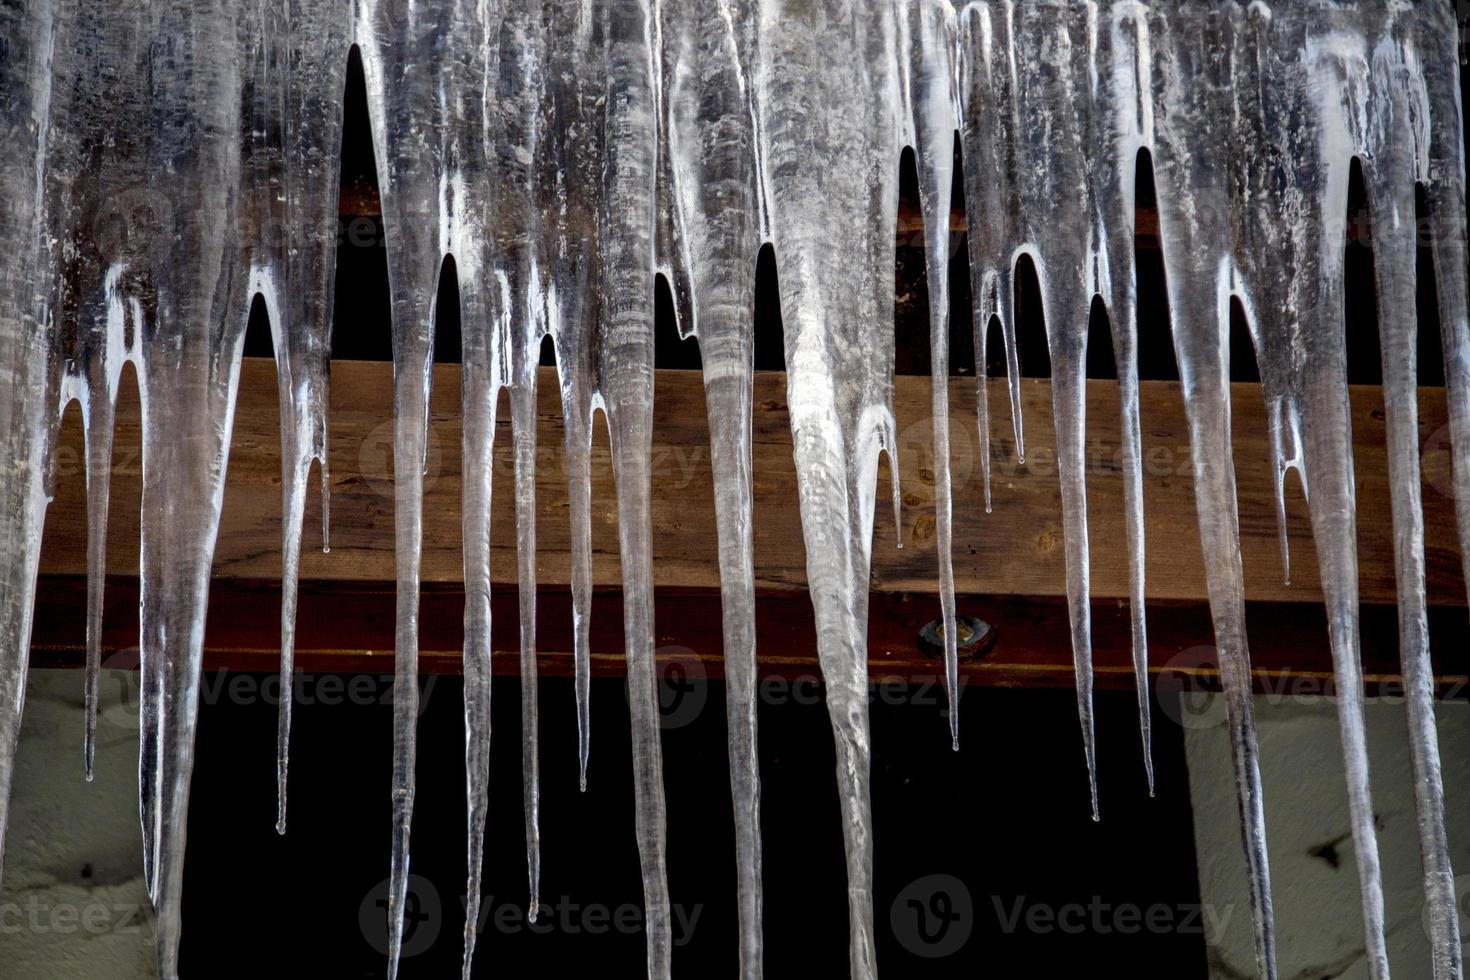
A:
1014, 551
348, 627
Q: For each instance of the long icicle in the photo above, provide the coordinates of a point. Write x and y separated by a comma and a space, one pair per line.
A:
1392, 197
408, 54
480, 387
314, 42
1124, 125
625, 368
833, 196
1028, 81
1443, 183
1297, 115
100, 411
494, 296
1193, 123
523, 426
709, 154
516, 138
567, 188
191, 360
935, 121
25, 352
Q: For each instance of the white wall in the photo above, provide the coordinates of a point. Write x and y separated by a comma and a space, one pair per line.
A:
72, 904
1319, 924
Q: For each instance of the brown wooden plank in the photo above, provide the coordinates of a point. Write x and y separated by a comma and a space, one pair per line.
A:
1014, 551
348, 627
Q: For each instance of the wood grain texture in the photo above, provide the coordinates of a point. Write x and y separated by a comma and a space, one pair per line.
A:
1014, 551
348, 627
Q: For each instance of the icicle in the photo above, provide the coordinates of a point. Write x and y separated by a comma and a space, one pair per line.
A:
1124, 125
481, 381
1029, 90
491, 299
311, 66
99, 417
523, 419
1444, 195
1390, 177
190, 349
1191, 93
515, 264
98, 326
1442, 174
935, 121
710, 154
26, 349
833, 193
987, 132
1299, 120
569, 170
625, 369
418, 63
1386, 109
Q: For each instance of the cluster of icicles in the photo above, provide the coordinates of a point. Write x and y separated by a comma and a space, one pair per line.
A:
162, 163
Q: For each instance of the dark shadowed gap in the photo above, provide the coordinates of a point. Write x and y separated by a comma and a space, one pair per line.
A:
1360, 286
1031, 346
546, 352
1155, 342
995, 348
1426, 296
1242, 350
1100, 362
362, 323
669, 349
911, 280
258, 341
770, 345
448, 335
447, 344
961, 302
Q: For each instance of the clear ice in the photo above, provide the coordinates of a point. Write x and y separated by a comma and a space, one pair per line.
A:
165, 164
